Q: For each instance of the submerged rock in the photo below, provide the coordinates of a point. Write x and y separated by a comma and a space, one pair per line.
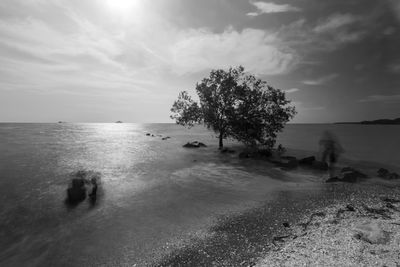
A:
195, 144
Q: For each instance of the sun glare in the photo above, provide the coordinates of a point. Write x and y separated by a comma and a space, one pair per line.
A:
122, 5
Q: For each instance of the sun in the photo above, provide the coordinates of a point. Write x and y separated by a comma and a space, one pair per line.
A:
122, 5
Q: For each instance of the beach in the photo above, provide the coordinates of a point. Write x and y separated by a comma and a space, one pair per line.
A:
160, 204
306, 226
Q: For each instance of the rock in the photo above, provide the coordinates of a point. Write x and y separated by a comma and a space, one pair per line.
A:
351, 175
148, 134
262, 153
307, 161
78, 182
350, 208
348, 175
286, 224
333, 180
319, 165
165, 138
77, 192
385, 174
227, 150
393, 176
288, 162
194, 144
372, 233
382, 172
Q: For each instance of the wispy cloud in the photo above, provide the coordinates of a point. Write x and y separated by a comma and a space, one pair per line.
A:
321, 80
381, 98
269, 7
335, 22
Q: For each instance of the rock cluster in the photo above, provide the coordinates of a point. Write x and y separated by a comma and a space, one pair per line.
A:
195, 144
80, 183
348, 175
385, 174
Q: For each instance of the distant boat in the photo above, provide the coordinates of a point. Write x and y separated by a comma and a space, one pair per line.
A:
118, 122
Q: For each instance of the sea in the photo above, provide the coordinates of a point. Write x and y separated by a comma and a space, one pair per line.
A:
154, 195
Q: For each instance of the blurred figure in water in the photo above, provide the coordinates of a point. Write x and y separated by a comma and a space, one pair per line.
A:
331, 149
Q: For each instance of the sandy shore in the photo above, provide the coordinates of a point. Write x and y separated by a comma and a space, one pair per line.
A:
364, 231
274, 233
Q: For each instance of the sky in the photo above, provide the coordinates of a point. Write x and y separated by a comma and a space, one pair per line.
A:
109, 60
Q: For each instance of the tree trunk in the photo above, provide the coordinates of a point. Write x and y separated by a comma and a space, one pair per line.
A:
221, 144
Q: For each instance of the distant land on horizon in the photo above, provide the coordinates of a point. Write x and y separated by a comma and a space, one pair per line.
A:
380, 121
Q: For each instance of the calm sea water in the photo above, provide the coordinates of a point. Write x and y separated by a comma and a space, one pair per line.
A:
154, 194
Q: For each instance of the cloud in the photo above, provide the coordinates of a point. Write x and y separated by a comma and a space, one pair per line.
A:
381, 98
321, 80
291, 90
335, 22
269, 7
258, 50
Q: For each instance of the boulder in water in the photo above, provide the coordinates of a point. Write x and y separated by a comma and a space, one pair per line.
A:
77, 192
195, 144
227, 150
307, 161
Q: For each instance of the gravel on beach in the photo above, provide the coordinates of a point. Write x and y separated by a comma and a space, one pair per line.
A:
364, 231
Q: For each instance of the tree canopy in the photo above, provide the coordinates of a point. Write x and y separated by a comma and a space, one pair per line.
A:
235, 104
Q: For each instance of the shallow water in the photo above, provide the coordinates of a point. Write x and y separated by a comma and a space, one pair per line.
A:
154, 194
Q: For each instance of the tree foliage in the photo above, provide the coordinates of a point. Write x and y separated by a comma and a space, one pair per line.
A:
235, 104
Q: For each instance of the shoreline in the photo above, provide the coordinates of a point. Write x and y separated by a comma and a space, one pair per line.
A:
247, 238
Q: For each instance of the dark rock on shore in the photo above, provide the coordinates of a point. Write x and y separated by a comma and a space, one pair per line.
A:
195, 144
165, 138
227, 150
348, 175
385, 174
262, 153
288, 163
307, 161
